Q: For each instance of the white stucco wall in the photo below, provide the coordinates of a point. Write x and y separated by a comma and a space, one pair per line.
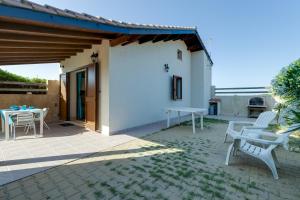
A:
140, 88
201, 79
82, 59
134, 86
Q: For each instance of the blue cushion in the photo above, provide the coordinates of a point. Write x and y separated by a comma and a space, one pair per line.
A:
14, 107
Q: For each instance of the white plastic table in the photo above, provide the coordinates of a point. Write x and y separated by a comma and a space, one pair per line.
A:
193, 111
9, 112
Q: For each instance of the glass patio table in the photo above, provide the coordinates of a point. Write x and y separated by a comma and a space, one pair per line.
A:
7, 113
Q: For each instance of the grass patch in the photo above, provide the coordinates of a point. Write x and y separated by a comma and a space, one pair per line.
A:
239, 188
252, 184
98, 194
90, 184
108, 163
185, 174
138, 168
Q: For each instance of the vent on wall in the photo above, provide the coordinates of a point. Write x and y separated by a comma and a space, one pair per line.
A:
179, 54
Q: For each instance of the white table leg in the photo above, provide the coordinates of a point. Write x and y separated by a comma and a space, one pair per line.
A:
179, 117
201, 118
6, 126
168, 119
41, 123
193, 122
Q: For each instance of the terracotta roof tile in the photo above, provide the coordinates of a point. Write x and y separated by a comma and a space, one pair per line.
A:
69, 13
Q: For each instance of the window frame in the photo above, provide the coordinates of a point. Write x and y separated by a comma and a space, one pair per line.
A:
176, 92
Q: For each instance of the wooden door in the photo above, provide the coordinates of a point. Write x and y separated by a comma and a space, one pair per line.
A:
91, 99
64, 96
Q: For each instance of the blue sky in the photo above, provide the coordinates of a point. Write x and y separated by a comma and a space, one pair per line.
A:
249, 41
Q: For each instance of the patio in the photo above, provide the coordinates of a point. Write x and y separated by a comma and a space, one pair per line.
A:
28, 155
170, 164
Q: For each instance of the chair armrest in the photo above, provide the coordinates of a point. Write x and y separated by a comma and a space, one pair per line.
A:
241, 122
261, 141
260, 132
253, 127
244, 128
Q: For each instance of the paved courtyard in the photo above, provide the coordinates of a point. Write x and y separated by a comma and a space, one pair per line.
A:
170, 164
29, 155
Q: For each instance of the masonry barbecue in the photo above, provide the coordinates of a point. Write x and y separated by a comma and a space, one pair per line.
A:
256, 106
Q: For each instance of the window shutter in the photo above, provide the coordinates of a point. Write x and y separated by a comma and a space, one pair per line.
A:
174, 88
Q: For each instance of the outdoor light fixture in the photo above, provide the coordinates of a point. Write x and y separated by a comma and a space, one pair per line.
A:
167, 67
94, 57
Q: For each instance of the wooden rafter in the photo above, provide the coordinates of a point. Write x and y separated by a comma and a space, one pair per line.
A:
168, 38
132, 39
146, 38
8, 59
194, 48
45, 39
159, 38
21, 55
37, 50
29, 62
119, 40
176, 37
21, 28
4, 44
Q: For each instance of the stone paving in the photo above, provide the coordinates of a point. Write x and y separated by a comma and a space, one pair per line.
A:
171, 164
28, 155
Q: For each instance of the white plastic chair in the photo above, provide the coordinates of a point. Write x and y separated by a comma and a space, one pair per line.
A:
37, 117
262, 149
262, 122
24, 119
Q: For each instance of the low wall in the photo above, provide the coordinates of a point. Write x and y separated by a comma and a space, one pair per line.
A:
236, 105
49, 100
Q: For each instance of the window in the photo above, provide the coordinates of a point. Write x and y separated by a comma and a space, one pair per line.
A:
176, 88
179, 54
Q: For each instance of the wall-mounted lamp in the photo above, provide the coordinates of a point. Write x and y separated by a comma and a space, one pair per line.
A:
94, 57
166, 67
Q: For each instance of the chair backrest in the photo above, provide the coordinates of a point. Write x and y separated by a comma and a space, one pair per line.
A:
24, 118
265, 118
45, 112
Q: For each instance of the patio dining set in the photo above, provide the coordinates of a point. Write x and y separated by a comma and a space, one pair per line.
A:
22, 117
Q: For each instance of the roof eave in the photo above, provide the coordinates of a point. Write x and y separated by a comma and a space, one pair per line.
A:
48, 18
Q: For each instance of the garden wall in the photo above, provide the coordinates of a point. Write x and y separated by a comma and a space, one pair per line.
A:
49, 100
236, 105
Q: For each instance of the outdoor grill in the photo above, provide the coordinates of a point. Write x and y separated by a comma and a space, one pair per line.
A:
256, 106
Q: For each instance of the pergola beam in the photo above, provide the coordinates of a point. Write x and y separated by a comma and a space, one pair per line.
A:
29, 62
21, 28
21, 55
37, 50
5, 44
9, 59
45, 39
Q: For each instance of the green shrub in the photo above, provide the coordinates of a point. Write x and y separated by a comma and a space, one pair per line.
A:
286, 84
7, 76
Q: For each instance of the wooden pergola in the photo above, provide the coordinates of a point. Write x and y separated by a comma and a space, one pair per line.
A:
32, 33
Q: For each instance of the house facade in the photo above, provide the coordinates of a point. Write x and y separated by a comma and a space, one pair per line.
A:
134, 86
114, 75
